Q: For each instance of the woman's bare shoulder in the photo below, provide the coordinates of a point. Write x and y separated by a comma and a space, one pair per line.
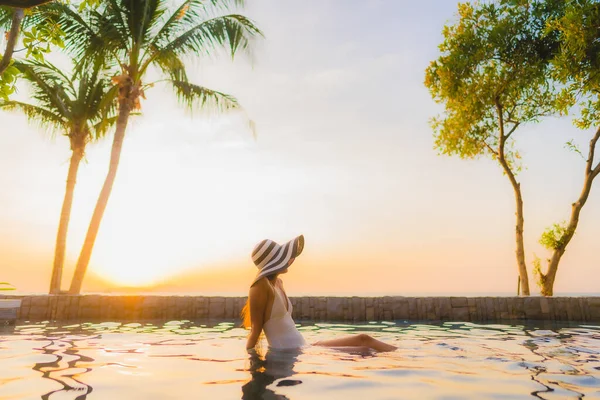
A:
260, 287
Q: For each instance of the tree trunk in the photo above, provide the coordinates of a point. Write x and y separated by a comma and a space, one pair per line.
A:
65, 216
90, 239
590, 174
13, 35
520, 251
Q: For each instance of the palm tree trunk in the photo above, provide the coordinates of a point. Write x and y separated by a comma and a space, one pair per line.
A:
65, 216
590, 174
13, 35
520, 251
90, 239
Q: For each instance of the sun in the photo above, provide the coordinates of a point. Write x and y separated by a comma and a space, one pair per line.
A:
179, 205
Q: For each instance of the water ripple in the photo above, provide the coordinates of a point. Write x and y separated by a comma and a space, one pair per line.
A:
115, 360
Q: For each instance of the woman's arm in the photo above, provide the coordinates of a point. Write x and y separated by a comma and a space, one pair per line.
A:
258, 302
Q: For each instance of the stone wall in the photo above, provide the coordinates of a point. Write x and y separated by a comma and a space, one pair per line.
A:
351, 309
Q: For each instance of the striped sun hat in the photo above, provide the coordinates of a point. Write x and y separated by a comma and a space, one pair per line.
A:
270, 257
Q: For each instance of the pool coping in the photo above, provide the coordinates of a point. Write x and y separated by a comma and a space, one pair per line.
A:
314, 308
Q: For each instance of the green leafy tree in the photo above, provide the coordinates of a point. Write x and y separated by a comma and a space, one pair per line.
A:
137, 35
491, 78
577, 67
11, 18
39, 33
82, 108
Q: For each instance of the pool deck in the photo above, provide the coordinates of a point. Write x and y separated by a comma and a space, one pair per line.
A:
348, 309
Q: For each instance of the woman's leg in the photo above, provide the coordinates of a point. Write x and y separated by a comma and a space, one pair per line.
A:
360, 340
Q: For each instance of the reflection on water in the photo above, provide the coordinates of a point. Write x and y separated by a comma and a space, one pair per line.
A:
275, 365
181, 359
63, 369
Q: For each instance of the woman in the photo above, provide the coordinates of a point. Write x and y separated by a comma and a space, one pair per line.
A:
268, 308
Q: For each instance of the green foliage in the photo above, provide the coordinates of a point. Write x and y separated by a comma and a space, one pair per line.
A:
494, 63
190, 94
8, 81
139, 34
89, 4
5, 18
39, 33
555, 236
6, 286
574, 148
537, 272
81, 104
39, 30
39, 38
578, 61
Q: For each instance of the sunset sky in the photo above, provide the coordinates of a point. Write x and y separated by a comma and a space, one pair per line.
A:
344, 154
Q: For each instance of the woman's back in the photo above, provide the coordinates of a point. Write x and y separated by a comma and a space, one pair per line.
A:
280, 329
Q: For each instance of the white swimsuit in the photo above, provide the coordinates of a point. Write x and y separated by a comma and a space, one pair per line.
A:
280, 329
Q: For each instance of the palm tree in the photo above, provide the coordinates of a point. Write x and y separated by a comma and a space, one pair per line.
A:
82, 107
137, 35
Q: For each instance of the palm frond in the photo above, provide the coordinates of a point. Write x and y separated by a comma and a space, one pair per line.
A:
42, 14
187, 14
106, 110
172, 65
45, 118
83, 100
34, 16
50, 87
140, 15
5, 17
115, 27
103, 125
47, 71
233, 31
190, 95
89, 35
81, 38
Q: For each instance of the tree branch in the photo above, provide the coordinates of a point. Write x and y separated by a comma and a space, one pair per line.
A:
494, 152
596, 171
25, 48
509, 114
502, 121
590, 161
15, 27
512, 130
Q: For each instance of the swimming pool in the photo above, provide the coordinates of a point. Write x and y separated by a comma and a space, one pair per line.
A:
181, 360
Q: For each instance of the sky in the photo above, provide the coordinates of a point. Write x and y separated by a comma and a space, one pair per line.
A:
343, 154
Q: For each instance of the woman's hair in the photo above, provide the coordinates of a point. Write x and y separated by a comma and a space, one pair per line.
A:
245, 313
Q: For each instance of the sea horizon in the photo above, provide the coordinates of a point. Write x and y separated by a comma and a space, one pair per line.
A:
307, 294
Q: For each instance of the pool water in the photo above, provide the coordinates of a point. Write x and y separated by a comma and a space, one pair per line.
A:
183, 360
